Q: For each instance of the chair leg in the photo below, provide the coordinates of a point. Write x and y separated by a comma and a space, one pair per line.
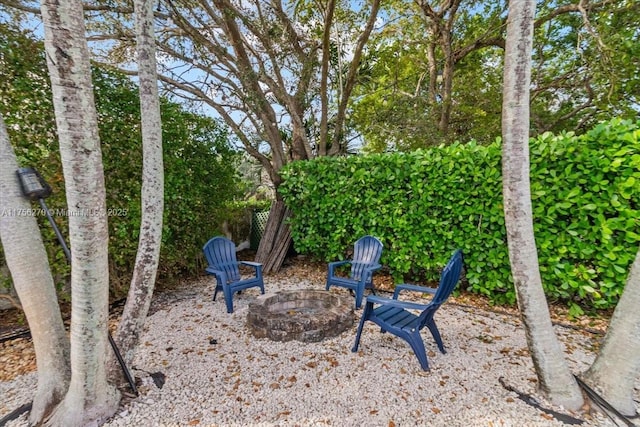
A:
215, 293
365, 315
359, 296
415, 341
436, 336
228, 298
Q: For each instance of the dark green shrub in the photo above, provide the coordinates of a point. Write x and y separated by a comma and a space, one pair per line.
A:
200, 180
200, 166
423, 205
585, 193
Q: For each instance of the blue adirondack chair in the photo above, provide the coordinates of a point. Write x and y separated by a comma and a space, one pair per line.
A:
394, 316
366, 260
220, 253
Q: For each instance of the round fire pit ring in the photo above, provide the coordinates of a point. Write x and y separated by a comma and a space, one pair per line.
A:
306, 315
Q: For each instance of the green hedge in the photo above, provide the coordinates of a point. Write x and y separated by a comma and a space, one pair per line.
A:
423, 205
200, 177
202, 186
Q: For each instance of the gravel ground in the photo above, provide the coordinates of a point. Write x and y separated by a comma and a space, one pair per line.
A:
217, 374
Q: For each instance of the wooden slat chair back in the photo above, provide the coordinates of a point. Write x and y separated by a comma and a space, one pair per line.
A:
365, 261
396, 317
220, 254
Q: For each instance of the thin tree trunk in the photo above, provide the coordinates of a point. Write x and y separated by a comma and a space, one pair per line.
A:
555, 378
27, 260
616, 368
350, 81
324, 78
90, 398
433, 70
447, 79
148, 255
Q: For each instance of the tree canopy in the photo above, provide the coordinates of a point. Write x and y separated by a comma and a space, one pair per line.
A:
434, 74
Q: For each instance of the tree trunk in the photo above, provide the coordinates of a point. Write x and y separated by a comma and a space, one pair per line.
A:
324, 78
148, 255
338, 145
556, 380
27, 260
440, 34
447, 79
276, 238
90, 398
616, 368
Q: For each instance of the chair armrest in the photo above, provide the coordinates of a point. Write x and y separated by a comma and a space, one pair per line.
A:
221, 276
367, 272
374, 267
415, 288
257, 267
251, 264
338, 263
334, 264
373, 299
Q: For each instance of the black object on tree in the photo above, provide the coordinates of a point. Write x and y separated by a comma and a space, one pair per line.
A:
34, 187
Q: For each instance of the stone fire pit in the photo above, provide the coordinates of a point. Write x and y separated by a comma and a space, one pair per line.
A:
306, 315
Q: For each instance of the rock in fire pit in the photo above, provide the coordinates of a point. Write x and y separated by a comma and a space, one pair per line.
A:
306, 315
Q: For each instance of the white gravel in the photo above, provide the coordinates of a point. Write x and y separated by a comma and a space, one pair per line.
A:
243, 381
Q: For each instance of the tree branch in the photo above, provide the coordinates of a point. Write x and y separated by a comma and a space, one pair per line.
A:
569, 8
351, 77
14, 302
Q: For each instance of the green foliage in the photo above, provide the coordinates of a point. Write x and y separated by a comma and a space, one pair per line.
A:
200, 178
200, 166
27, 108
424, 204
585, 201
582, 74
585, 74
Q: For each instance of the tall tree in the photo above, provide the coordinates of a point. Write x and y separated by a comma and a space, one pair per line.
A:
147, 257
345, 90
27, 260
259, 69
555, 378
257, 65
434, 72
324, 77
90, 399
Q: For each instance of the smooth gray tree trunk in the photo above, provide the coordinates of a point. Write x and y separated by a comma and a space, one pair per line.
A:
555, 378
27, 261
90, 399
615, 371
148, 255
